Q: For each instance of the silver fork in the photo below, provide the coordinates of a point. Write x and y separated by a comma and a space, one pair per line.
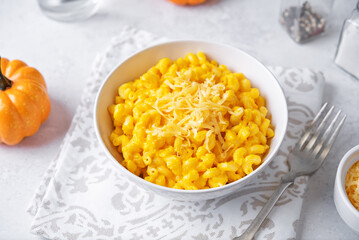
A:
306, 157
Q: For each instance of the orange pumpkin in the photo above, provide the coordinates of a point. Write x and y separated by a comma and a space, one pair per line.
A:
187, 2
24, 102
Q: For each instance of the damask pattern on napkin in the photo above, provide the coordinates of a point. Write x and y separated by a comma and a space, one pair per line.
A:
84, 196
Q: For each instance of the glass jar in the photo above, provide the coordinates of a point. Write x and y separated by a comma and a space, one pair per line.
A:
305, 19
68, 10
347, 55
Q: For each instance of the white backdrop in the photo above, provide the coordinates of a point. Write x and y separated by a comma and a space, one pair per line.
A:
64, 53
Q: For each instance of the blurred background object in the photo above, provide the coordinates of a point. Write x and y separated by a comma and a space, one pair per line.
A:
304, 20
187, 2
68, 10
347, 55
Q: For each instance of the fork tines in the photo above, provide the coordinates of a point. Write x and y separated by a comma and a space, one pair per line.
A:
320, 135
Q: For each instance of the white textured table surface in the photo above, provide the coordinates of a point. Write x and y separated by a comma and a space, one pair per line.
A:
64, 53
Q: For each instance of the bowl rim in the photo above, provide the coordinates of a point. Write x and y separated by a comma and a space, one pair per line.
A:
341, 175
184, 191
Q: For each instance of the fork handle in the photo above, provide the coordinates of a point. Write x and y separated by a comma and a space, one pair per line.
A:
257, 222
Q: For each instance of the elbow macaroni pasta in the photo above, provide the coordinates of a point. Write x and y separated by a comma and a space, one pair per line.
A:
190, 124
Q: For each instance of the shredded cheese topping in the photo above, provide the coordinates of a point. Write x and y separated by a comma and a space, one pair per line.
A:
195, 101
352, 184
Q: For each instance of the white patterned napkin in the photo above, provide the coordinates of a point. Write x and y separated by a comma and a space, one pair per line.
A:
84, 196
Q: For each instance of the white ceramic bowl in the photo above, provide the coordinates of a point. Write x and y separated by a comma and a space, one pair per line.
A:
346, 210
236, 60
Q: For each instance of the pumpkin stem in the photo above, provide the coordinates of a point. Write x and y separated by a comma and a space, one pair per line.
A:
5, 83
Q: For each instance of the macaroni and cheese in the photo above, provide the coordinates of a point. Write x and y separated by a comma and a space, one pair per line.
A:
352, 184
190, 124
